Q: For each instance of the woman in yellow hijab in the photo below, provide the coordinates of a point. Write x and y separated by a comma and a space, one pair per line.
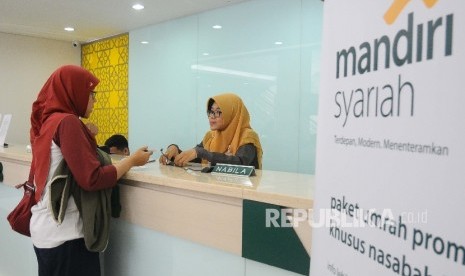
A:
230, 140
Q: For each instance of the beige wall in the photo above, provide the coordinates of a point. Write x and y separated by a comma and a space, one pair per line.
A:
25, 64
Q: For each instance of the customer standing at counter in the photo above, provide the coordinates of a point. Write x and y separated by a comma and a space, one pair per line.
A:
57, 133
231, 140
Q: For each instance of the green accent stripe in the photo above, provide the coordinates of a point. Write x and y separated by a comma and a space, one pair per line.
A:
276, 246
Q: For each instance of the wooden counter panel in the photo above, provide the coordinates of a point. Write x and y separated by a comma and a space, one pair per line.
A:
205, 220
304, 231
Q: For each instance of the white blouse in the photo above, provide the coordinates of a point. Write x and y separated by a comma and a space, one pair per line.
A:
45, 231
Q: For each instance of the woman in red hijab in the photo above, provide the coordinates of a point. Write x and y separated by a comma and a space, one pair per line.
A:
57, 133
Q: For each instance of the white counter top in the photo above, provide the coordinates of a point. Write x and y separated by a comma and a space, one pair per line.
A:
281, 188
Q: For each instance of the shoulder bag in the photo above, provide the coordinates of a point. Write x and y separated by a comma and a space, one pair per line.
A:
20, 217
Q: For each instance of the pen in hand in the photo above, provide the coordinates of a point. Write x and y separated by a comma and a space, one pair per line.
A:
151, 151
168, 161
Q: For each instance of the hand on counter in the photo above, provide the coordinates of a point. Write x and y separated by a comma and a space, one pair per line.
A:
171, 152
184, 157
139, 158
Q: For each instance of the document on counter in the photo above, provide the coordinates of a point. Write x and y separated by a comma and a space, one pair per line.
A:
5, 124
193, 166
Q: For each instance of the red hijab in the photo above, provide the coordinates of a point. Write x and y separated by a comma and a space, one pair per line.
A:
66, 93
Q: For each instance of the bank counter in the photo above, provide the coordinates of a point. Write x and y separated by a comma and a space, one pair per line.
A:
248, 226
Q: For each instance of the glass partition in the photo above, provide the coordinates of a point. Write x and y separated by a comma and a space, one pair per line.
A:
266, 51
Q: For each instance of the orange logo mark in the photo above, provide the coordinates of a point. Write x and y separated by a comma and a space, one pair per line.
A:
398, 5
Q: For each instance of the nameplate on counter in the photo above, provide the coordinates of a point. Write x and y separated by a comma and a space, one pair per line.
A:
236, 170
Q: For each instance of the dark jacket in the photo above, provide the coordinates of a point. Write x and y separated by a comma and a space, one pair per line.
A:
94, 207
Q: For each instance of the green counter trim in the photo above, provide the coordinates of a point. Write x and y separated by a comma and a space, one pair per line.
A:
276, 246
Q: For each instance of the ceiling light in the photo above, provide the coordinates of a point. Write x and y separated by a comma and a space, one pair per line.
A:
138, 7
278, 43
206, 54
144, 42
217, 27
69, 29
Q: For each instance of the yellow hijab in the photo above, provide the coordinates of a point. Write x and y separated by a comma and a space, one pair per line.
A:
236, 131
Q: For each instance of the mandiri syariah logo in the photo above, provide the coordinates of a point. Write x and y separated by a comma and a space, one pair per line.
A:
398, 6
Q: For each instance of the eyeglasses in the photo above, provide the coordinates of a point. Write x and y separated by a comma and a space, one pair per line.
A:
93, 94
169, 162
214, 113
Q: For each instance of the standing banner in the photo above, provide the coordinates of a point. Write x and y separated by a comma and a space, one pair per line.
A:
390, 171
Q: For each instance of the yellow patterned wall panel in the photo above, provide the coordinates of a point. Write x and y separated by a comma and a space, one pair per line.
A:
107, 59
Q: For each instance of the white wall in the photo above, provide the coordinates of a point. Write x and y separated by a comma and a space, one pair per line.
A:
26, 63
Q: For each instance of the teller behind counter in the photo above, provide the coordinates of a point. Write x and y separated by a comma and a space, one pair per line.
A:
231, 139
